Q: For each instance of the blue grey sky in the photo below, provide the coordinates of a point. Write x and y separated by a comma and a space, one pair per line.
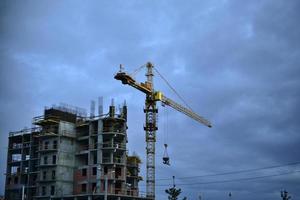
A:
235, 62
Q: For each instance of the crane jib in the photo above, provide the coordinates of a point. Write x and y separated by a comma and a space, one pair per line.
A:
185, 111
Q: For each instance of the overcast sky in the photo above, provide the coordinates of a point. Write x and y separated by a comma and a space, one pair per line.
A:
235, 62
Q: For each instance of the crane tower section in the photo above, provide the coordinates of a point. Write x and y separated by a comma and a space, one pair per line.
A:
150, 131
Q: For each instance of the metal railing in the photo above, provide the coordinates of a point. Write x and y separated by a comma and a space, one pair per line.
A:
114, 145
109, 145
45, 117
114, 161
24, 131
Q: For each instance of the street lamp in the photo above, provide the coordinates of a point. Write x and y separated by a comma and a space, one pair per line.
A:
23, 192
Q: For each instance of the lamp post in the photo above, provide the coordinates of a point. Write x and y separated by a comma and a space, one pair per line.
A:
23, 192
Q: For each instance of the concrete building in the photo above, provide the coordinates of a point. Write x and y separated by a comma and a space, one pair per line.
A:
70, 156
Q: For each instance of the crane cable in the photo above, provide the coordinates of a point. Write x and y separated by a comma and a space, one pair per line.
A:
166, 121
137, 70
172, 88
231, 180
165, 80
166, 159
234, 172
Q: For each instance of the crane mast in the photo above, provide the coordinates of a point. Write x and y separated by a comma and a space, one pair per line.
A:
150, 131
151, 111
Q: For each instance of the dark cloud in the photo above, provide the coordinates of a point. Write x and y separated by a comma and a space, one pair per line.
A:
235, 62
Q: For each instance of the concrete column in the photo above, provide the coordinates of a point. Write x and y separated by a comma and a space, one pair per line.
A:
99, 154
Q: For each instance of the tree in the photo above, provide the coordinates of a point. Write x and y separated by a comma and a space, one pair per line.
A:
284, 195
174, 193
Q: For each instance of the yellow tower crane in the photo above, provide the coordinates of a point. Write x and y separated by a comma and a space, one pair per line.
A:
152, 96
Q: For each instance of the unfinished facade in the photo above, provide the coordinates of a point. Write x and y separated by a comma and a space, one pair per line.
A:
68, 156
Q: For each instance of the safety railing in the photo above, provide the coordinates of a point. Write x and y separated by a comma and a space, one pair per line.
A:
114, 145
45, 118
24, 131
113, 161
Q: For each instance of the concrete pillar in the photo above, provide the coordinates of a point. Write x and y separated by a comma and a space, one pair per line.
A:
99, 154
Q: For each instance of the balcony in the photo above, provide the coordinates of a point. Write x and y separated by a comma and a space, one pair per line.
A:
24, 131
14, 186
82, 137
113, 131
47, 165
122, 191
17, 146
45, 119
48, 148
113, 161
109, 145
84, 149
47, 180
48, 133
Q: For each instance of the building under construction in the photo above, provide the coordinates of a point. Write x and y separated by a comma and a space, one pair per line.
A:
66, 155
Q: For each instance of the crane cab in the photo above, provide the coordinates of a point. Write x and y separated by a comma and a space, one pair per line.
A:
158, 96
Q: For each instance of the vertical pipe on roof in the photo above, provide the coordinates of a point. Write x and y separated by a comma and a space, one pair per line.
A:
112, 109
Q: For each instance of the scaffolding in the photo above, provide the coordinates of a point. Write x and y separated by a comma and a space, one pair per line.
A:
70, 155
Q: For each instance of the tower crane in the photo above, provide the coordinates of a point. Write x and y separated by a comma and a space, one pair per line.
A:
150, 110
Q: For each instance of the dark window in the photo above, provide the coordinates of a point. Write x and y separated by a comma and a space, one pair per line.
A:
83, 172
43, 190
105, 170
94, 187
118, 171
83, 187
34, 178
45, 160
52, 189
95, 158
94, 170
26, 179
53, 174
54, 159
55, 144
46, 145
16, 180
44, 175
8, 180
